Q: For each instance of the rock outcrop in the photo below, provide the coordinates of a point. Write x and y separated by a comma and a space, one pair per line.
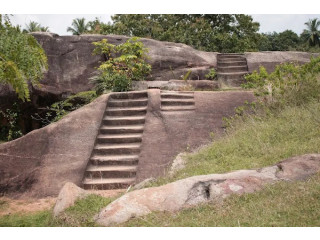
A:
71, 62
41, 162
199, 189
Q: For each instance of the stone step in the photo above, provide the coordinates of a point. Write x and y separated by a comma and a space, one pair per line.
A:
175, 95
114, 159
107, 183
129, 95
232, 63
176, 102
129, 111
115, 171
128, 102
178, 108
123, 120
117, 148
119, 138
238, 59
121, 129
227, 56
232, 69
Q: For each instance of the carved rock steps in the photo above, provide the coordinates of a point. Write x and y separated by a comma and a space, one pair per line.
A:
232, 68
115, 156
177, 101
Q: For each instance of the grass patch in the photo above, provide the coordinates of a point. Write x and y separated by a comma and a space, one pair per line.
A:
83, 212
257, 142
280, 205
80, 214
39, 219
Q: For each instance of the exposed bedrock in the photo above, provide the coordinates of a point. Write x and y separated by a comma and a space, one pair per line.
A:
200, 189
41, 162
71, 63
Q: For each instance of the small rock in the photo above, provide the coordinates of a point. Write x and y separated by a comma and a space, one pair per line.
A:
68, 195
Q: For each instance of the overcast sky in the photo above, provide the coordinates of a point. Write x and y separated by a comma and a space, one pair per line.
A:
58, 23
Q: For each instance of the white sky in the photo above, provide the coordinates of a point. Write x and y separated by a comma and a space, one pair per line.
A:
273, 15
58, 23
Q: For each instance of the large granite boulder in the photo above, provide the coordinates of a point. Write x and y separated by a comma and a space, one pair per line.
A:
200, 189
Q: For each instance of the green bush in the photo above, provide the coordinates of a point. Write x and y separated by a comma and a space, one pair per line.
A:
125, 62
211, 75
290, 83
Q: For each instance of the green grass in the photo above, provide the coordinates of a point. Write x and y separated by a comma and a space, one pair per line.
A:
81, 214
256, 143
279, 205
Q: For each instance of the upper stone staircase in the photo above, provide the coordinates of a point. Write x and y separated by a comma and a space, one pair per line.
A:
177, 101
231, 68
115, 156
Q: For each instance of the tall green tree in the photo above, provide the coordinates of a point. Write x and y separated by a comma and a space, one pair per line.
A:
282, 41
22, 59
79, 26
312, 33
209, 32
35, 27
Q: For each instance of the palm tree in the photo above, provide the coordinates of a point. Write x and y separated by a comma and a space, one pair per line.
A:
312, 33
35, 27
79, 26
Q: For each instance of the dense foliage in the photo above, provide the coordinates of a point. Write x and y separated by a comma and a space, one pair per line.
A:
22, 59
125, 62
289, 84
209, 32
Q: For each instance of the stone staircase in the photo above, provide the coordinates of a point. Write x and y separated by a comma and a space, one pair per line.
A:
177, 101
231, 68
115, 156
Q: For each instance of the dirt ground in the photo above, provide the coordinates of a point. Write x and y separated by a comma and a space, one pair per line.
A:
10, 206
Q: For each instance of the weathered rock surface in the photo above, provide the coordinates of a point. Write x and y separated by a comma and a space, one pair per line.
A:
177, 85
270, 59
199, 189
68, 195
41, 162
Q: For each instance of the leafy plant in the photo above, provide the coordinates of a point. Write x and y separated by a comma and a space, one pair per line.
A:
211, 75
289, 84
22, 59
125, 62
11, 130
186, 76
59, 109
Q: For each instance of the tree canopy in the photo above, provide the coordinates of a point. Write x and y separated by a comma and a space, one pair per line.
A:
79, 26
312, 33
35, 27
208, 32
22, 59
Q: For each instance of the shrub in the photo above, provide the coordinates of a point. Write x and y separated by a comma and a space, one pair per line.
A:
289, 84
211, 75
125, 62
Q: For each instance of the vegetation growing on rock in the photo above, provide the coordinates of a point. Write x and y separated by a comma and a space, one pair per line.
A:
125, 63
22, 59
